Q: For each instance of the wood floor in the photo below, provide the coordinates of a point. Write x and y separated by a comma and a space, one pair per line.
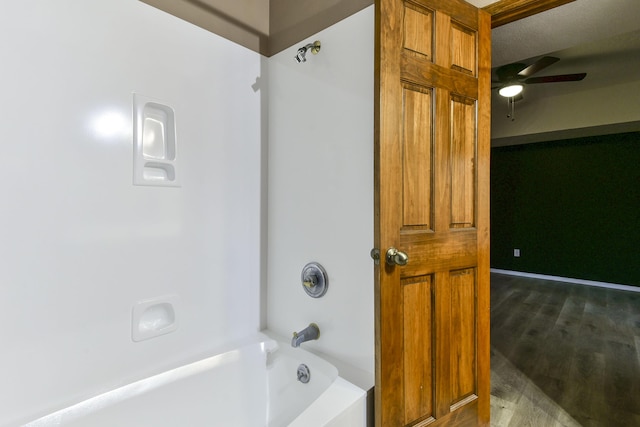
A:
563, 354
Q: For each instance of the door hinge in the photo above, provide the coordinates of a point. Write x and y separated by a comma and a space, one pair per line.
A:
375, 255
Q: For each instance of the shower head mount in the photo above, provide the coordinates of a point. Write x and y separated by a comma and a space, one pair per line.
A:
302, 52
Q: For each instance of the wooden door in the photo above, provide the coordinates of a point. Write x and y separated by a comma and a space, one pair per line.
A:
432, 203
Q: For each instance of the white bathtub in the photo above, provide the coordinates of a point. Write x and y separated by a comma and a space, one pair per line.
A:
255, 385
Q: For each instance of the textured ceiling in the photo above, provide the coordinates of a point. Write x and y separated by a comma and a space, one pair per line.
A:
576, 23
598, 37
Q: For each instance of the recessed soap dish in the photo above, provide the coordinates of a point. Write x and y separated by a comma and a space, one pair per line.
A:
155, 144
153, 317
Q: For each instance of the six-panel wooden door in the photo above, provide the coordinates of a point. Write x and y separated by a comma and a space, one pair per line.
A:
432, 203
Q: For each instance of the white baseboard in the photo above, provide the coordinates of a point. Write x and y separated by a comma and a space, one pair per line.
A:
568, 280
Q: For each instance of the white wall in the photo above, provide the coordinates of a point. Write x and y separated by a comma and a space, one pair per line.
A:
321, 189
554, 111
79, 244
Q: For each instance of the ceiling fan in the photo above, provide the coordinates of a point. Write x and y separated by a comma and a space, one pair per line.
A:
513, 77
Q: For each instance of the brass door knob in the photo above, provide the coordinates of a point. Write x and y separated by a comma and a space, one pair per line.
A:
396, 257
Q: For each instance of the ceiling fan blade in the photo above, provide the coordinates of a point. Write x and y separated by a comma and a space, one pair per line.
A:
540, 64
509, 72
555, 79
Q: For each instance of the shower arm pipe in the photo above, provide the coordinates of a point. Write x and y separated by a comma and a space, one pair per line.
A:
302, 52
314, 47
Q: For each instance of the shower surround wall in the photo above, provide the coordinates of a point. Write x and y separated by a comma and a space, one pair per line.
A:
321, 189
80, 245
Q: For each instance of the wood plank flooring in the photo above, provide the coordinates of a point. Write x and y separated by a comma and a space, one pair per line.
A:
563, 354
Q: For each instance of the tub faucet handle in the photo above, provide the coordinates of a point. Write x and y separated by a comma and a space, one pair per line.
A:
310, 282
314, 280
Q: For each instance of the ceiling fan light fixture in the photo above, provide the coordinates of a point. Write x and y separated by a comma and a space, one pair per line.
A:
510, 90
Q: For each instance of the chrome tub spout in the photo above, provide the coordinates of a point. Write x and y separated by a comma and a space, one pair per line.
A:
311, 332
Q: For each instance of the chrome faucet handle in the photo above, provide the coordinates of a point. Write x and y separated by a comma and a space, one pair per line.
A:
314, 279
310, 281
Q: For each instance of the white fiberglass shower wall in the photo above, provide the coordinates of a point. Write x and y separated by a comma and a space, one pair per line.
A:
321, 190
80, 245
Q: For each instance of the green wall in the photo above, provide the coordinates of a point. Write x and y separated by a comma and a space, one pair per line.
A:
572, 207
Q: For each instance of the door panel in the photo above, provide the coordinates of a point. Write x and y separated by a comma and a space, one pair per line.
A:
417, 157
431, 201
463, 336
463, 159
418, 30
418, 351
463, 49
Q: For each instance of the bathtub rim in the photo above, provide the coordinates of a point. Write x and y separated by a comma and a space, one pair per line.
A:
359, 377
268, 342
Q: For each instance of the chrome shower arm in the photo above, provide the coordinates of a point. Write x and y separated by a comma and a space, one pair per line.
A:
302, 52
